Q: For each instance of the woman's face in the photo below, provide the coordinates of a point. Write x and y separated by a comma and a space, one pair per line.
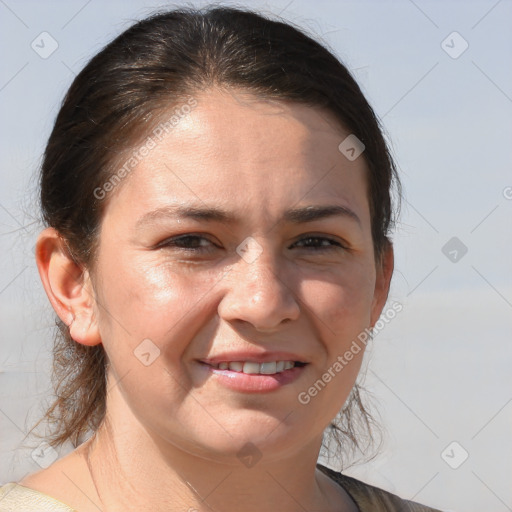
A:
243, 236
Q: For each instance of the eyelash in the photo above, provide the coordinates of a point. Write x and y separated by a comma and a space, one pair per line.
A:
178, 243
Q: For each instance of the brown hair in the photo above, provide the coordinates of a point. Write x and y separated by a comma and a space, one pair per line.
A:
156, 63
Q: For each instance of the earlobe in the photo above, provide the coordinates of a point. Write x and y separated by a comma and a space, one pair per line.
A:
68, 287
382, 283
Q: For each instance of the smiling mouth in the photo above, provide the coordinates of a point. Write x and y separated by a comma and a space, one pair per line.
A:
254, 368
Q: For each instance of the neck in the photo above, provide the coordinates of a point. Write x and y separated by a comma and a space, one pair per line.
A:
133, 469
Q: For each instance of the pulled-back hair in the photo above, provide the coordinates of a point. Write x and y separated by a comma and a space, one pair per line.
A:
115, 101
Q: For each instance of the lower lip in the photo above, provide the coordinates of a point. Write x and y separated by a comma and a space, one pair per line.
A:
255, 383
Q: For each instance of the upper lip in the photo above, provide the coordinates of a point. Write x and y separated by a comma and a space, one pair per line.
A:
256, 357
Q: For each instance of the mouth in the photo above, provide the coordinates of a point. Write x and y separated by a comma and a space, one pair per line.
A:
256, 368
245, 376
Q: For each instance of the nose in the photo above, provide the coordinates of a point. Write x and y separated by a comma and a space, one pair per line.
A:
257, 295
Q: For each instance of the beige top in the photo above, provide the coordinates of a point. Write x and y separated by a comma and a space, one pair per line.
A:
17, 498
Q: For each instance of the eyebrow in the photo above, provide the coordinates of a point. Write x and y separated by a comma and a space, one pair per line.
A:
212, 214
312, 213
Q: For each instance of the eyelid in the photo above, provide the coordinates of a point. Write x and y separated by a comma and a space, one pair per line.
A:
174, 241
336, 241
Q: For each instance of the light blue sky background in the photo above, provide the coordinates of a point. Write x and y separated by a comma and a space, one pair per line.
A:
440, 372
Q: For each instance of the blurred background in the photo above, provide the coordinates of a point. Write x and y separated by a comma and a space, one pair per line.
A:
439, 76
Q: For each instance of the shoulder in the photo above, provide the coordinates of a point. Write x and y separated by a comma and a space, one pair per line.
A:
49, 489
370, 498
18, 498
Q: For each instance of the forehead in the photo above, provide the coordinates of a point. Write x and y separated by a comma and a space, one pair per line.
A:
240, 150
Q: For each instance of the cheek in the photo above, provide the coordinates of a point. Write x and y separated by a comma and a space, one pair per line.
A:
144, 294
148, 300
341, 301
340, 309
147, 309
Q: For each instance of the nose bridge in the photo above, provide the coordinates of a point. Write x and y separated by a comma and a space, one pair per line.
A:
257, 292
261, 275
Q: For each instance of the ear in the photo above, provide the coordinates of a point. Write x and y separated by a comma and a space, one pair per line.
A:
68, 287
382, 282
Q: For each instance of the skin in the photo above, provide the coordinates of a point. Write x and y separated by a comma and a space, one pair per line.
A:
173, 432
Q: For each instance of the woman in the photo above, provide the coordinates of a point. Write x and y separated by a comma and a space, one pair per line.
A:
216, 191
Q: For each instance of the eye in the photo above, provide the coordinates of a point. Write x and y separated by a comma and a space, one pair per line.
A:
189, 242
319, 243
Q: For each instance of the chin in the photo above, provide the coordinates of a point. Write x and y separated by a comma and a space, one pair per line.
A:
255, 440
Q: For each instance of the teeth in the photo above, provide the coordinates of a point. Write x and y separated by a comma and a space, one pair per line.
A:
250, 367
253, 368
268, 368
236, 366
